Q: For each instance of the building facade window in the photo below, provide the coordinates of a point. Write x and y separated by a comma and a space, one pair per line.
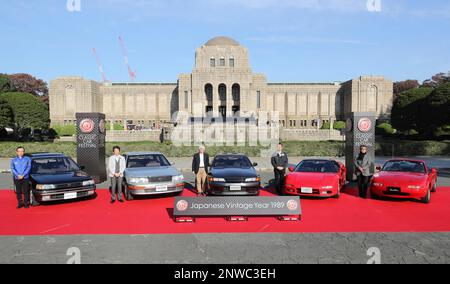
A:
212, 62
231, 62
222, 62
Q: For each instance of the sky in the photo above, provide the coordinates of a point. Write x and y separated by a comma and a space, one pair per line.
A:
288, 40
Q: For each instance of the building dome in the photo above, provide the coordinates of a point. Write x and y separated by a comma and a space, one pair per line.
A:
222, 41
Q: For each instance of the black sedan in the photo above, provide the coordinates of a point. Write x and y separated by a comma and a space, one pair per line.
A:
233, 175
56, 177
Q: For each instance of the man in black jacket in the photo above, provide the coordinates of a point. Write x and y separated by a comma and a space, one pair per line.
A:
280, 163
200, 167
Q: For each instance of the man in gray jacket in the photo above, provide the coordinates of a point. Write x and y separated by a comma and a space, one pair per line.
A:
116, 169
364, 166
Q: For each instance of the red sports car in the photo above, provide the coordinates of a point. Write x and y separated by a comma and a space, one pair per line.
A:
407, 179
318, 178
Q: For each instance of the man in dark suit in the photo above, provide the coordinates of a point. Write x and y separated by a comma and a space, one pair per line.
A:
200, 167
280, 163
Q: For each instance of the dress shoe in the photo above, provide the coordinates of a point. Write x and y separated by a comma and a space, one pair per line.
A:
113, 201
27, 206
120, 200
20, 206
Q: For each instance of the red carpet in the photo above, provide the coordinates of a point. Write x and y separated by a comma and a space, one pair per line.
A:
152, 216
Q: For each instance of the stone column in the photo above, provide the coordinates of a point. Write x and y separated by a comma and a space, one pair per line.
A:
230, 101
216, 101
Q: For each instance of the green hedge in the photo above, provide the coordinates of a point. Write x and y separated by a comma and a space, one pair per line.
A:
65, 130
323, 148
338, 125
413, 148
116, 126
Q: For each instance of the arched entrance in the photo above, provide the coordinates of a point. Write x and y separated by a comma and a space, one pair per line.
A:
223, 100
209, 99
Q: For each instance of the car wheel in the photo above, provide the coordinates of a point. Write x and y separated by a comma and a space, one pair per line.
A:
338, 195
434, 189
33, 201
427, 197
128, 195
375, 196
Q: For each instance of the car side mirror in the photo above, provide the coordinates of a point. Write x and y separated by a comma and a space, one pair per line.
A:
378, 168
172, 163
434, 171
291, 169
255, 164
82, 168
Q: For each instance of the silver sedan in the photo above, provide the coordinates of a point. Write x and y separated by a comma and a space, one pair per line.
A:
149, 173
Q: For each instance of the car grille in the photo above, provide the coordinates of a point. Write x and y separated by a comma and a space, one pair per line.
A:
160, 179
235, 179
69, 185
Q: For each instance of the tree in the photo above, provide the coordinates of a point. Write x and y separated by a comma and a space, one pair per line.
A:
5, 84
26, 83
436, 110
6, 114
385, 129
403, 86
437, 80
28, 110
407, 109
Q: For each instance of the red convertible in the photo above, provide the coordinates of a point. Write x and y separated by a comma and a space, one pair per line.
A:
318, 178
406, 179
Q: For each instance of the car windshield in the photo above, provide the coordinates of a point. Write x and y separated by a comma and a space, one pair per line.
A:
147, 161
312, 166
53, 165
404, 166
231, 162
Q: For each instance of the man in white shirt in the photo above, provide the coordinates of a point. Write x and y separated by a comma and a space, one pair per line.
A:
116, 169
200, 167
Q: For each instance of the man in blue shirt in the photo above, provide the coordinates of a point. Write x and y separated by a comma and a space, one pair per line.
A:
21, 167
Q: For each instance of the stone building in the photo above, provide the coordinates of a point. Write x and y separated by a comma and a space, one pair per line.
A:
222, 83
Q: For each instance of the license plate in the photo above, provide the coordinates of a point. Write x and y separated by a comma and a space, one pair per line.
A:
161, 188
394, 190
235, 188
70, 195
308, 190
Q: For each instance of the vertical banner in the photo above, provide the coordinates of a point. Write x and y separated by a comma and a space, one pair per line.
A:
91, 138
360, 131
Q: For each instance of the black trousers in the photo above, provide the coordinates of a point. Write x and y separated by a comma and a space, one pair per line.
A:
22, 188
363, 185
279, 181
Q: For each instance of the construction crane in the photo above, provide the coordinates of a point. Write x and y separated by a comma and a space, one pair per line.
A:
131, 73
100, 65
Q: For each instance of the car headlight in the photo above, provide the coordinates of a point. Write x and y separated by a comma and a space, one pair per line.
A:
213, 179
377, 184
255, 179
327, 187
138, 180
177, 179
414, 187
45, 186
88, 183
